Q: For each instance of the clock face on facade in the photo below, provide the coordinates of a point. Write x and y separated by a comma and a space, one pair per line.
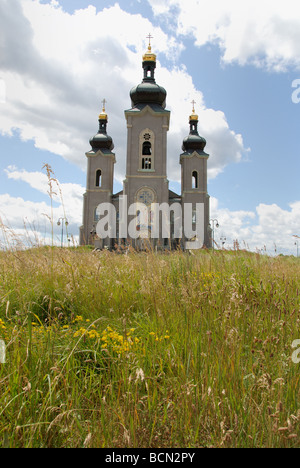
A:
146, 196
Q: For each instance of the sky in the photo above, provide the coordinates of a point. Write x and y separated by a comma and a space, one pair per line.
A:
240, 62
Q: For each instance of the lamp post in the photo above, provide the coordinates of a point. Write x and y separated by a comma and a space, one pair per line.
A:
212, 226
62, 221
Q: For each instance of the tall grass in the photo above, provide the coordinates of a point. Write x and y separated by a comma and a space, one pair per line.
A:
146, 350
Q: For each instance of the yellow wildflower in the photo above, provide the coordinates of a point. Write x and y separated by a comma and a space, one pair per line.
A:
79, 332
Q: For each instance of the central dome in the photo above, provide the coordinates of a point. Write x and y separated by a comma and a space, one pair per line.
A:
148, 92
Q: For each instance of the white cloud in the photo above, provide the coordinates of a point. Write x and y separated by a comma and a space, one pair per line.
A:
69, 62
265, 33
270, 228
67, 197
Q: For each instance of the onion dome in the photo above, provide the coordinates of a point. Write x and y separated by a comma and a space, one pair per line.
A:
101, 140
148, 92
193, 142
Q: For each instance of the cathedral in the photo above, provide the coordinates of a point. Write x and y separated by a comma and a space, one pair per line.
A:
146, 176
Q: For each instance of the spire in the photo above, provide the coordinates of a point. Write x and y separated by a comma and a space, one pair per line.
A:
193, 116
149, 63
148, 92
103, 115
102, 140
149, 56
103, 118
193, 142
193, 120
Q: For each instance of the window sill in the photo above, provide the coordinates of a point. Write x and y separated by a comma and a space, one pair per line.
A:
146, 170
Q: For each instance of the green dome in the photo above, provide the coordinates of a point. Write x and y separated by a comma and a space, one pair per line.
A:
148, 92
193, 143
101, 140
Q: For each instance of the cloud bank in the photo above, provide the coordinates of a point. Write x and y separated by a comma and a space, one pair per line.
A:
262, 33
59, 67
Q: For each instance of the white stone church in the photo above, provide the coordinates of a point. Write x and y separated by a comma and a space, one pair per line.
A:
146, 170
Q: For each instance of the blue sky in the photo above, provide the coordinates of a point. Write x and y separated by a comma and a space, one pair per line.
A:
237, 62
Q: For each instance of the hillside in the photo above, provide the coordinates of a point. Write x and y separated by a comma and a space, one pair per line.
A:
145, 350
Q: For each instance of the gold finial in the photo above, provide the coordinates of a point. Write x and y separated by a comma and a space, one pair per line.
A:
149, 37
194, 116
149, 56
103, 114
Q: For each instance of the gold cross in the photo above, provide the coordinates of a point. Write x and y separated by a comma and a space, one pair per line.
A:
193, 102
149, 37
103, 104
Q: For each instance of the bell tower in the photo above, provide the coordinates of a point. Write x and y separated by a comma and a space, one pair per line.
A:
193, 162
99, 186
147, 126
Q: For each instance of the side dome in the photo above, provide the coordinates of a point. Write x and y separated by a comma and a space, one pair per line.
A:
193, 142
101, 140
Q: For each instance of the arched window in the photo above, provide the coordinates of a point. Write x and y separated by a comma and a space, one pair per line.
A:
98, 178
147, 151
194, 179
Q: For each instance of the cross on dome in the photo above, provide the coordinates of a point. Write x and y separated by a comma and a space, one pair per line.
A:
194, 116
149, 37
103, 115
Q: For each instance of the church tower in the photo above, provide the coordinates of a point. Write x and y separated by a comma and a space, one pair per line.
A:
146, 178
193, 162
147, 125
99, 186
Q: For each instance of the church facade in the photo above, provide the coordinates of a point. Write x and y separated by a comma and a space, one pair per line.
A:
146, 179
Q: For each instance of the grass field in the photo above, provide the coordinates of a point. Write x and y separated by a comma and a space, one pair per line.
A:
148, 350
